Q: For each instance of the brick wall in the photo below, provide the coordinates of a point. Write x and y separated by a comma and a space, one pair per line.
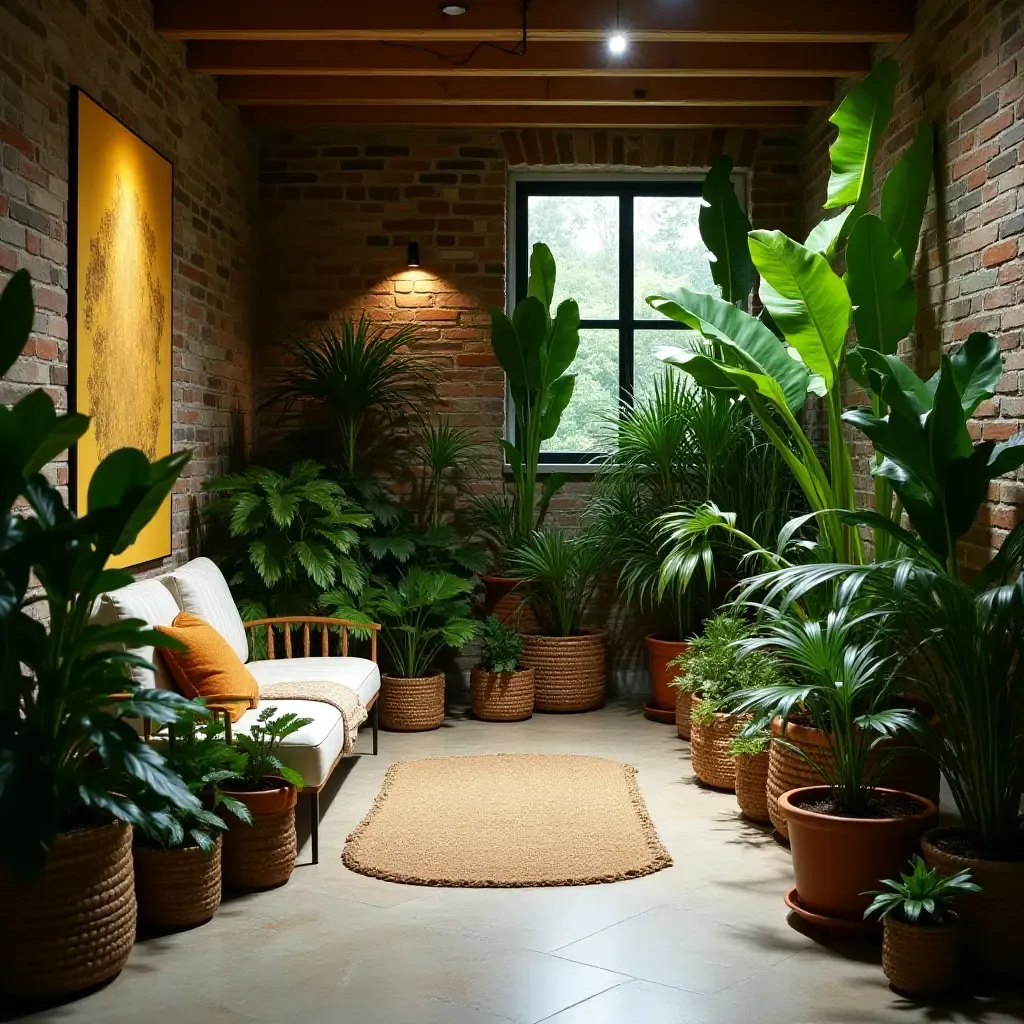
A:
963, 69
109, 48
337, 209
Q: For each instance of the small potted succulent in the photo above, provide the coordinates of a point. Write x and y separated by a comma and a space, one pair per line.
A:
501, 690
715, 669
262, 855
178, 865
561, 574
921, 947
426, 612
749, 751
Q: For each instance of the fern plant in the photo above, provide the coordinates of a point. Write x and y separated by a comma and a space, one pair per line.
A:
423, 613
258, 750
502, 646
293, 538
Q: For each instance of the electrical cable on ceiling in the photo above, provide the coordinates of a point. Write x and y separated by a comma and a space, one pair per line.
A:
461, 61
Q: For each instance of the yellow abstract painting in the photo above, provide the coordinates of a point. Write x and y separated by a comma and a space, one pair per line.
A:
122, 287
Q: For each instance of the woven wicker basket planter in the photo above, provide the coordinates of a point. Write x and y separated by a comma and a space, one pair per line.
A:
177, 888
751, 785
569, 671
505, 597
502, 696
921, 959
709, 750
684, 706
72, 926
993, 941
261, 855
411, 705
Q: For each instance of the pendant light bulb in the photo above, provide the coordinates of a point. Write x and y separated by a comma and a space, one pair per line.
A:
618, 43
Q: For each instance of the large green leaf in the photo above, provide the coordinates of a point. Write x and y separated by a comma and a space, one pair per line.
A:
805, 298
558, 398
750, 344
826, 235
723, 227
16, 315
564, 341
542, 275
977, 367
861, 119
905, 193
507, 349
530, 320
710, 373
879, 285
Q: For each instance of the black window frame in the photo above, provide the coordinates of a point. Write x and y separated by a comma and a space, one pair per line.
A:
626, 189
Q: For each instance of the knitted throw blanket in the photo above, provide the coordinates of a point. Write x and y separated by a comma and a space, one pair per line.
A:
353, 714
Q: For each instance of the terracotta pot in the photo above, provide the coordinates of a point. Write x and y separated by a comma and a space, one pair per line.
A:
177, 888
262, 855
659, 654
411, 705
71, 926
505, 596
684, 708
569, 671
836, 860
751, 783
921, 959
990, 920
502, 696
912, 771
709, 750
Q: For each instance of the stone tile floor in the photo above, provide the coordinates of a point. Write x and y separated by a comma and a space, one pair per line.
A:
706, 941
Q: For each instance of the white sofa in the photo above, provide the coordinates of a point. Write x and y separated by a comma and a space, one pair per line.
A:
199, 587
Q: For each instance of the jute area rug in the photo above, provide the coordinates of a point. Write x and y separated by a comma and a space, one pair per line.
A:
507, 820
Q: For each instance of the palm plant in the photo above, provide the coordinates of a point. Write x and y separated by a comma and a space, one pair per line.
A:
68, 755
421, 615
920, 896
257, 751
840, 680
362, 377
443, 450
198, 753
293, 538
561, 574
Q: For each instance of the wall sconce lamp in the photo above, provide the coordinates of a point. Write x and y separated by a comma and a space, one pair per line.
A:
413, 254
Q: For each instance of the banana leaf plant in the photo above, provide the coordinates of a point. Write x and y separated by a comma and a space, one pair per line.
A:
68, 755
799, 349
535, 350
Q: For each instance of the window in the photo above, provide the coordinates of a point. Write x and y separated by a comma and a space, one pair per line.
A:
614, 243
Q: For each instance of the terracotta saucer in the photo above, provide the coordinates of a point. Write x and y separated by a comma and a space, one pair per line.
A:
667, 716
838, 925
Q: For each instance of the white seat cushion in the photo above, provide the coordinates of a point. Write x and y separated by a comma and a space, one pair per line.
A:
315, 747
150, 601
199, 588
357, 674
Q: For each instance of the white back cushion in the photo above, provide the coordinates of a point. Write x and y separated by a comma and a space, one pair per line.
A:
200, 589
150, 601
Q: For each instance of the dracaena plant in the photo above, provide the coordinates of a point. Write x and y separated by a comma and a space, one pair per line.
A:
293, 537
68, 755
535, 350
920, 896
426, 612
798, 347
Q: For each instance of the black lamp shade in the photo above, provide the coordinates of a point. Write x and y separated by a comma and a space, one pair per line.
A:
414, 254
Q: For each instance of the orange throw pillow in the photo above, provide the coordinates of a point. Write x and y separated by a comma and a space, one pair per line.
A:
209, 668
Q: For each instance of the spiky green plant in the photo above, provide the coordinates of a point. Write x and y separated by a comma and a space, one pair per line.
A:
495, 521
921, 897
362, 378
561, 574
259, 748
293, 538
443, 450
421, 615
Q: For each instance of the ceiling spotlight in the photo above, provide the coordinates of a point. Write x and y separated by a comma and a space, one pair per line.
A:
453, 10
618, 43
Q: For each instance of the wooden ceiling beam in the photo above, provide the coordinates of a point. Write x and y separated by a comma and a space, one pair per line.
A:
635, 92
525, 116
500, 21
788, 60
